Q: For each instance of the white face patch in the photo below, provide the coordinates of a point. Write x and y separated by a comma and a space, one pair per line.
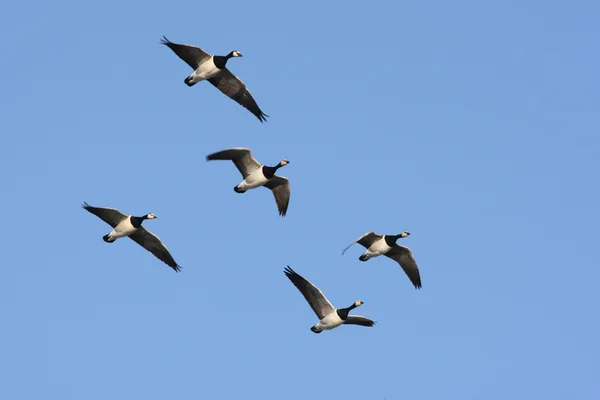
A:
237, 54
151, 216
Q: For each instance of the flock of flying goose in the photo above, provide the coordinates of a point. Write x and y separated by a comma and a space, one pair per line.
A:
212, 68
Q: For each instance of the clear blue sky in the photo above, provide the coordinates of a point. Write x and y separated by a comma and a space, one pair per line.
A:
473, 126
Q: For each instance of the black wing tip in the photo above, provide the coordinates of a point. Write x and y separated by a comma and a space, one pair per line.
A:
165, 41
86, 206
176, 267
289, 271
262, 117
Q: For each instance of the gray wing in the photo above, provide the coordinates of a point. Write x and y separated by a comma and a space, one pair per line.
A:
280, 186
235, 89
111, 216
317, 300
359, 320
192, 55
241, 157
154, 245
365, 240
403, 256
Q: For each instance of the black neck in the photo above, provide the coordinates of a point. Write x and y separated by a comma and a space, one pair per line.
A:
221, 61
137, 221
343, 312
390, 240
269, 172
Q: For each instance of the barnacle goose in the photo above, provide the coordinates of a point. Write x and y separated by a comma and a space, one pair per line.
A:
131, 226
212, 68
329, 316
255, 174
378, 245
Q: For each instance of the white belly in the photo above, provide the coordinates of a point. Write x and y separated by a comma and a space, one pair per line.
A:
378, 248
254, 180
330, 321
125, 228
206, 70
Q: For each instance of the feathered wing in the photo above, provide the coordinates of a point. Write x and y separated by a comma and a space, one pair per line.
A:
234, 88
111, 216
192, 55
315, 298
403, 256
241, 157
280, 186
154, 245
365, 240
359, 320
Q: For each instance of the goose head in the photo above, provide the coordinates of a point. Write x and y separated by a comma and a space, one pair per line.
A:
282, 163
150, 216
234, 53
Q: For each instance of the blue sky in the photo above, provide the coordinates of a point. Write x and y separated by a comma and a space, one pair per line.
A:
473, 126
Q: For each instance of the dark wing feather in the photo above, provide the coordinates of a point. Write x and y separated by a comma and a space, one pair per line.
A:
365, 240
403, 256
192, 55
154, 245
111, 216
317, 300
241, 157
235, 89
359, 320
280, 186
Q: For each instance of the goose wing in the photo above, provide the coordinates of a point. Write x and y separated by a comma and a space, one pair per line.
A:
154, 245
280, 186
241, 157
235, 89
403, 256
192, 55
317, 300
359, 320
111, 216
365, 240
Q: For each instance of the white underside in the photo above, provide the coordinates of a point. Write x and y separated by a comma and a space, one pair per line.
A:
206, 70
330, 321
123, 229
254, 180
378, 248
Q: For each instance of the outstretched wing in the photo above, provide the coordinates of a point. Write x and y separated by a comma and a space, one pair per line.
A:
111, 216
241, 157
236, 90
280, 186
317, 300
359, 320
365, 240
154, 245
192, 55
403, 256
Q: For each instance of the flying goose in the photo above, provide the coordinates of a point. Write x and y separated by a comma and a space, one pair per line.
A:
329, 316
256, 174
212, 68
128, 225
378, 245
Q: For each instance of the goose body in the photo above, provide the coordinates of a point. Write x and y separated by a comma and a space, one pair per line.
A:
378, 245
255, 179
329, 316
206, 70
131, 226
212, 68
255, 174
